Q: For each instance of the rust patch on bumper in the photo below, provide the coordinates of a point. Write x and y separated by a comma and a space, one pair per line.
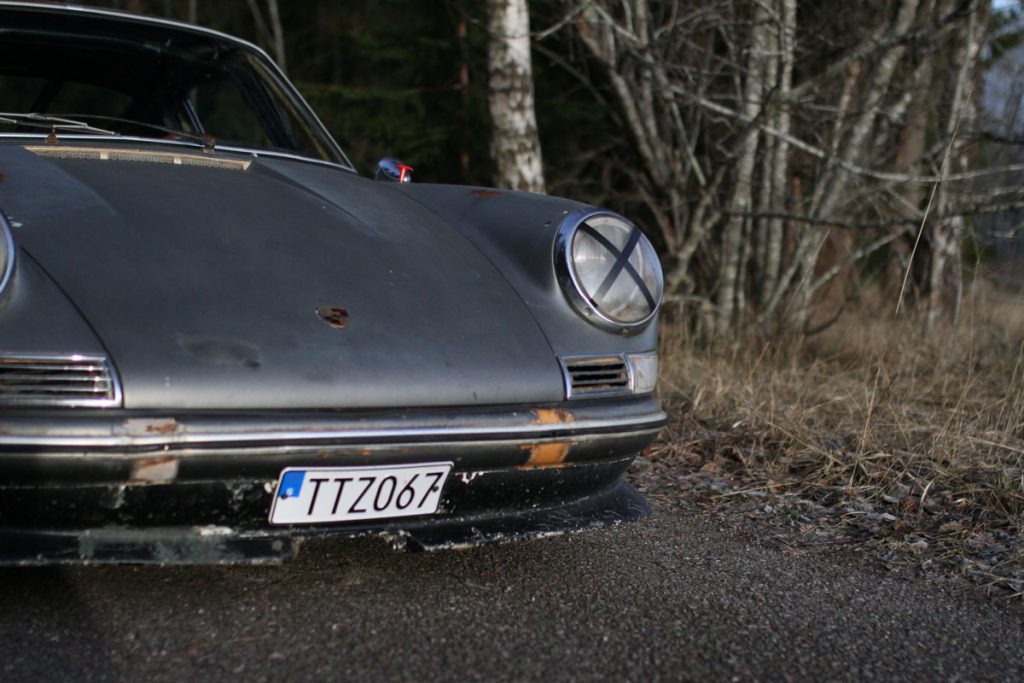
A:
155, 470
547, 454
158, 425
550, 416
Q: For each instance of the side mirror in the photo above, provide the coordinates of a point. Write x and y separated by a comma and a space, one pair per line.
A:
392, 170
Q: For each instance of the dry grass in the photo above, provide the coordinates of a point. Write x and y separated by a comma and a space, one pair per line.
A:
909, 441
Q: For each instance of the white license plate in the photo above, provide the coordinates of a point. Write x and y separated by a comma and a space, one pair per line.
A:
311, 495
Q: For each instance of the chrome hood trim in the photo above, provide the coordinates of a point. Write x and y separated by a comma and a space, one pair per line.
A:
137, 155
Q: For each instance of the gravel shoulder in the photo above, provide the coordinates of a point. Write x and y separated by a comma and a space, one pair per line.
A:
688, 594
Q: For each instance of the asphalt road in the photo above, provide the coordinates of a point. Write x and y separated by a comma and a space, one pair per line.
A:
682, 596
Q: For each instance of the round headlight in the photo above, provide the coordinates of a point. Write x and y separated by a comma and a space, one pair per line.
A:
608, 270
6, 253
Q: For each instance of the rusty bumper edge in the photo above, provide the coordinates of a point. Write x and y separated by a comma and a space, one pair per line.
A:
124, 431
221, 545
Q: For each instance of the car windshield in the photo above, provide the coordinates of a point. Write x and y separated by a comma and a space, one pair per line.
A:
186, 87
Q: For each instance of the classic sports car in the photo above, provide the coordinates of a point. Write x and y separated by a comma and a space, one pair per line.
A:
217, 339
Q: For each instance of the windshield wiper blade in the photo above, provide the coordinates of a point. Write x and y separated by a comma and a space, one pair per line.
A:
199, 138
51, 122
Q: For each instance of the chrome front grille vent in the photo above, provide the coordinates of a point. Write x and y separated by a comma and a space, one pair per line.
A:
589, 375
47, 380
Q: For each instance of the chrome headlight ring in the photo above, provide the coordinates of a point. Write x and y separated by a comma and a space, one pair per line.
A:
608, 270
7, 252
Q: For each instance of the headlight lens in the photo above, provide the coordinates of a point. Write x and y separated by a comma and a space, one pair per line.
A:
6, 253
610, 271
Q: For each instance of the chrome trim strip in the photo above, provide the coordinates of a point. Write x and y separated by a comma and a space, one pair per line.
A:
105, 138
136, 155
7, 237
257, 153
309, 109
283, 155
571, 286
86, 361
523, 430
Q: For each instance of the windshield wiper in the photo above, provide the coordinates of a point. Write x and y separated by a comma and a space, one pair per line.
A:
51, 122
199, 138
73, 123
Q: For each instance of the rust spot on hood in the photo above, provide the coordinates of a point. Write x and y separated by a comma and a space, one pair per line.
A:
333, 316
485, 194
550, 416
546, 454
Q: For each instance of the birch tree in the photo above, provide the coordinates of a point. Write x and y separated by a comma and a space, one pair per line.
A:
945, 284
515, 144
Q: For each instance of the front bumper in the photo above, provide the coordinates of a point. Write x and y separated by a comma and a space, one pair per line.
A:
120, 486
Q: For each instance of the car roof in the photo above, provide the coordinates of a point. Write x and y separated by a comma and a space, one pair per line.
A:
125, 19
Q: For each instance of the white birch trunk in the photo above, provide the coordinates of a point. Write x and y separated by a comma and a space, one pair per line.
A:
780, 165
740, 201
515, 144
945, 282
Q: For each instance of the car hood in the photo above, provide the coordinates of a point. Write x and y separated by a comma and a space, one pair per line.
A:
204, 283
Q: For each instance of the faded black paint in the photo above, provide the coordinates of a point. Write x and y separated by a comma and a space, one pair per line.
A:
201, 283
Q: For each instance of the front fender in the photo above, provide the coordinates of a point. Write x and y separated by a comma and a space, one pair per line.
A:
516, 231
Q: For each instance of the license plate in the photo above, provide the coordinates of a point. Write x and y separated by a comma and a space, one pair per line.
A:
311, 495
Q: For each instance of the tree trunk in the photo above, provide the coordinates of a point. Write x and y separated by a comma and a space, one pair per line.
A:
780, 159
945, 281
740, 203
277, 34
270, 29
515, 144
